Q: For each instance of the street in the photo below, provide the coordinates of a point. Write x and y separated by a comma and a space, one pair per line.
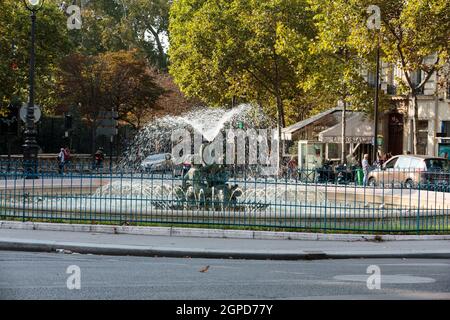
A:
26, 275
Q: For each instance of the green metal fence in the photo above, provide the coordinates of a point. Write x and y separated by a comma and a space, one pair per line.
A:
326, 199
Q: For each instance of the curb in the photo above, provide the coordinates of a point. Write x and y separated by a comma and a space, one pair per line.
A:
211, 233
145, 251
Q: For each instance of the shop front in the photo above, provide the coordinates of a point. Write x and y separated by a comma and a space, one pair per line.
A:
323, 141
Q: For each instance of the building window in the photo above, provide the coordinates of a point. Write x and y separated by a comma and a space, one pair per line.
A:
416, 79
333, 151
422, 139
445, 128
391, 89
371, 79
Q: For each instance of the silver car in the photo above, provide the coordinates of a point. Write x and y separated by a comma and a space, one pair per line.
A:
411, 171
160, 162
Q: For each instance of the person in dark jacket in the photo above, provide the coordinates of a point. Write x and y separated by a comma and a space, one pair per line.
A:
99, 156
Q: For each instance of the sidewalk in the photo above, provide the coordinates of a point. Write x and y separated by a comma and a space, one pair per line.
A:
197, 247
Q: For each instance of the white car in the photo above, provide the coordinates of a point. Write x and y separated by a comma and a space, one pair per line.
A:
159, 162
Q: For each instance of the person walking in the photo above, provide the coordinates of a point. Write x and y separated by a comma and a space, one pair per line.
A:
292, 168
366, 167
99, 157
61, 161
67, 158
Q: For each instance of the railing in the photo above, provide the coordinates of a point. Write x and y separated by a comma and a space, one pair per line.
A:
326, 199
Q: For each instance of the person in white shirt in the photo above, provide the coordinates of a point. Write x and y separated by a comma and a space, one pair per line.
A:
366, 168
61, 161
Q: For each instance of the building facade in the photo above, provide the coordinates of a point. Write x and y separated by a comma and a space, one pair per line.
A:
396, 124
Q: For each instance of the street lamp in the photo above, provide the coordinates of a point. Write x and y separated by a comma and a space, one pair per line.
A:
377, 88
374, 23
30, 146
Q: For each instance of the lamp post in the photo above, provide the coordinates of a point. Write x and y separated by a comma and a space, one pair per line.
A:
374, 23
376, 101
30, 146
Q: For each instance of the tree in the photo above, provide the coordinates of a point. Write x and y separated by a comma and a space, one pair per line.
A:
172, 101
130, 86
113, 25
150, 23
116, 80
333, 63
80, 83
104, 28
228, 50
414, 36
51, 44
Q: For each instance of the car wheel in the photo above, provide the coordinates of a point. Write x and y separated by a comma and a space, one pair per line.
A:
372, 182
409, 184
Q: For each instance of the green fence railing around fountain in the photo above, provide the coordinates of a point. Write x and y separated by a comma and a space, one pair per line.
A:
228, 198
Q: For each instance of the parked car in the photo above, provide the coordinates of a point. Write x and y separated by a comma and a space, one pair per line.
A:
160, 162
411, 171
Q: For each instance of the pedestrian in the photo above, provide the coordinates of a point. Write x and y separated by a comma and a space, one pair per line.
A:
67, 157
366, 168
292, 168
99, 157
61, 161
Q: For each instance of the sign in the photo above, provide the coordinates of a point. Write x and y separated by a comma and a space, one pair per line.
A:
353, 139
23, 113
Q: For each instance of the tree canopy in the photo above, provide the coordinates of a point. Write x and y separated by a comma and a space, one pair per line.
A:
119, 81
51, 45
220, 50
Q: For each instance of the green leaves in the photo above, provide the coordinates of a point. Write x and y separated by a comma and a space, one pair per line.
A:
51, 44
223, 49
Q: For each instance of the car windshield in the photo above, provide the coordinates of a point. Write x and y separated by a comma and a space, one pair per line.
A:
437, 164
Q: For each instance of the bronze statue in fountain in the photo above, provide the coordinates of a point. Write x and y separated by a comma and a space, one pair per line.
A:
206, 186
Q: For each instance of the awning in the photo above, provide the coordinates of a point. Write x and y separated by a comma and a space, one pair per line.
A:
359, 129
302, 124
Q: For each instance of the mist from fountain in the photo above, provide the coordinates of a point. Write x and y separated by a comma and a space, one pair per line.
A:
210, 130
155, 137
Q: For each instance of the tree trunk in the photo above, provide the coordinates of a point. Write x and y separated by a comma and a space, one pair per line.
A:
161, 53
344, 110
280, 126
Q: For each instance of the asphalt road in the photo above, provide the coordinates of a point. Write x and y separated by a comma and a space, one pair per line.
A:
25, 275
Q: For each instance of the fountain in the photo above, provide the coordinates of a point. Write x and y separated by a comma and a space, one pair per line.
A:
209, 193
211, 182
155, 137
